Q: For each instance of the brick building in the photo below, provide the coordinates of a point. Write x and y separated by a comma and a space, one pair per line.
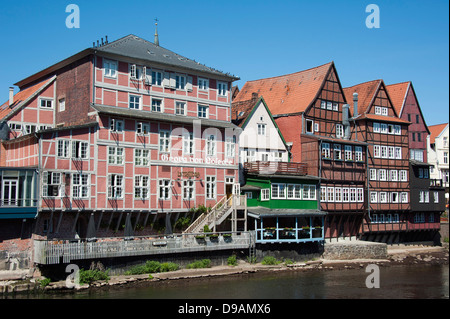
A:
123, 133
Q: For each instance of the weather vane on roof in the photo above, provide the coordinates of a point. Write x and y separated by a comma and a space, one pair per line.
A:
156, 32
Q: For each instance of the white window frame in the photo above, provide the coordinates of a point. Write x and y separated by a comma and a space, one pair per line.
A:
337, 152
373, 197
348, 153
134, 102
265, 194
63, 150
330, 194
115, 186
211, 145
436, 196
62, 105
141, 157
345, 194
203, 84
338, 194
164, 189
358, 153
110, 68
203, 111
222, 88
142, 128
141, 187
47, 101
262, 129
116, 125
157, 78
309, 192
323, 193
278, 191
360, 195
80, 185
403, 175
115, 155
326, 152
383, 197
188, 143
398, 152
339, 131
164, 141
52, 179
188, 189
373, 174
230, 146
180, 82
80, 149
211, 187
376, 127
309, 127
157, 103
404, 197
378, 110
376, 151
180, 108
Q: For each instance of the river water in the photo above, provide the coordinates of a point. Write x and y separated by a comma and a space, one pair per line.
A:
396, 282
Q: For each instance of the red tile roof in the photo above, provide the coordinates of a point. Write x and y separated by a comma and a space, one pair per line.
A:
241, 110
435, 130
397, 92
22, 96
383, 118
366, 94
287, 94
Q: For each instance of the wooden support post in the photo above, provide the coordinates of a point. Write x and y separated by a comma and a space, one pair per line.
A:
59, 222
100, 220
118, 221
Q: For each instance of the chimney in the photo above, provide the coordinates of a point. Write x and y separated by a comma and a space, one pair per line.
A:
345, 121
254, 96
355, 105
11, 96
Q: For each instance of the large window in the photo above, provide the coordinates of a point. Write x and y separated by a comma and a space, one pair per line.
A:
164, 189
141, 157
203, 111
211, 145
278, 191
80, 185
109, 68
210, 187
326, 151
141, 187
115, 186
135, 102
115, 155
188, 189
188, 143
52, 184
80, 150
222, 88
164, 141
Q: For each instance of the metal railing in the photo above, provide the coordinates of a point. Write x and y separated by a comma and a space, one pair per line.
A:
47, 252
283, 168
19, 202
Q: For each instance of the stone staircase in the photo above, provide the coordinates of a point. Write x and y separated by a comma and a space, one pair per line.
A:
215, 217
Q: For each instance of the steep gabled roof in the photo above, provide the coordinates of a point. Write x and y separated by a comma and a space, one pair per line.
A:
22, 97
288, 94
366, 94
436, 130
398, 93
242, 112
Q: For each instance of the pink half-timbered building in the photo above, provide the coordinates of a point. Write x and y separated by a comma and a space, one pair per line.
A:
125, 132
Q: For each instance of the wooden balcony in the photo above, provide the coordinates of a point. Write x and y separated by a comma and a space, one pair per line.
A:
272, 168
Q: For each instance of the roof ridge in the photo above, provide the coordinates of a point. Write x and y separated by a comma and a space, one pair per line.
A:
285, 75
348, 87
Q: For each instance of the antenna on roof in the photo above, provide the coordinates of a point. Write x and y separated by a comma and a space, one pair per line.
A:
156, 33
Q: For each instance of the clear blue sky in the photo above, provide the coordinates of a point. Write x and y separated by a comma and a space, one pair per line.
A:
248, 38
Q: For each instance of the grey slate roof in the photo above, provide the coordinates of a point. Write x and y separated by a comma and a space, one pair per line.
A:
136, 47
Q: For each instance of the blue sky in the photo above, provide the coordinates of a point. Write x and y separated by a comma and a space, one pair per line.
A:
248, 38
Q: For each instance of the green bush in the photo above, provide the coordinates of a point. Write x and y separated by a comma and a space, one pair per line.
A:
165, 267
44, 282
232, 260
152, 266
89, 276
204, 263
270, 260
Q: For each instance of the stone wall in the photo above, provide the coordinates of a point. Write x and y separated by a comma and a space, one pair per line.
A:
357, 249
